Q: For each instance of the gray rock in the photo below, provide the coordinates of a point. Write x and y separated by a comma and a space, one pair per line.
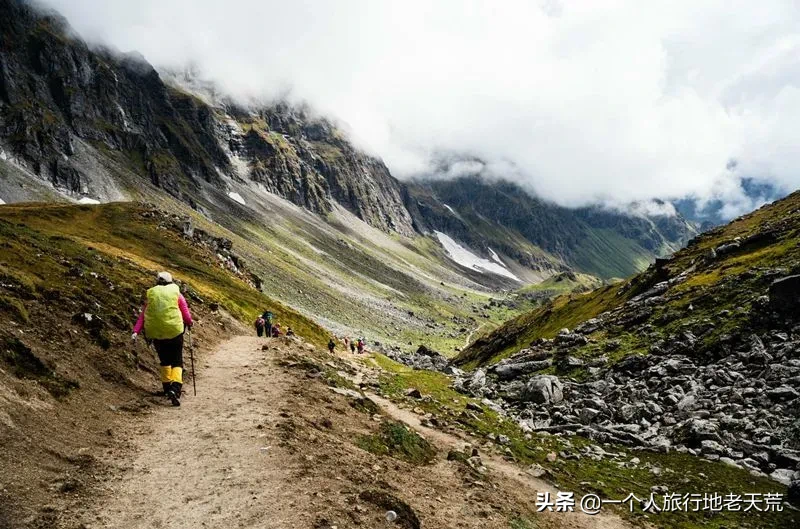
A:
511, 371
784, 294
711, 447
544, 389
687, 403
587, 415
783, 475
783, 393
478, 380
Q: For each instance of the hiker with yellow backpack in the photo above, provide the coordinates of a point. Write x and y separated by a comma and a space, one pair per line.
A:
164, 317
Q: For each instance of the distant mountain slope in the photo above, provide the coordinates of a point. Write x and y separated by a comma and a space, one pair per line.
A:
92, 125
502, 216
65, 110
714, 288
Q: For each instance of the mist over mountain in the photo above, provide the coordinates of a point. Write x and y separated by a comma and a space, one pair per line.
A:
581, 103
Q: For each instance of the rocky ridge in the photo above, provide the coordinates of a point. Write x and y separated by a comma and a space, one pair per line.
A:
699, 354
90, 124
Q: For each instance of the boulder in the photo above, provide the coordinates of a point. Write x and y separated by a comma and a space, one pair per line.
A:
632, 364
543, 389
783, 393
784, 294
783, 475
694, 431
511, 371
793, 495
478, 381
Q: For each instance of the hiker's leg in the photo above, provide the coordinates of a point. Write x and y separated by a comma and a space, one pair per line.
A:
269, 330
176, 359
165, 361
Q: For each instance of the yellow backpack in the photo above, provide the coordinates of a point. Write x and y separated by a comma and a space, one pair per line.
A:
162, 317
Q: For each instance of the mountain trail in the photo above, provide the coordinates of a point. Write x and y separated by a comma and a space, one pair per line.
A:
501, 467
265, 444
207, 464
446, 441
468, 340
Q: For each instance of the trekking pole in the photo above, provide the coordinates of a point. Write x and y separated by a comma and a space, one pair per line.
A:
191, 357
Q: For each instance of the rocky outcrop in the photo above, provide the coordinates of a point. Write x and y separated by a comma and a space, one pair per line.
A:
60, 100
220, 247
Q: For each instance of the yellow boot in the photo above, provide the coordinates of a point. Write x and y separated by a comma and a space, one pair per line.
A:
166, 378
177, 384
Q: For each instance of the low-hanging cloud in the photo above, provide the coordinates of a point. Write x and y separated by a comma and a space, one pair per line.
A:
609, 101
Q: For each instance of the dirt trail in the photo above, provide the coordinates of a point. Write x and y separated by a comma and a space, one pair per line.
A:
500, 466
206, 464
471, 334
249, 452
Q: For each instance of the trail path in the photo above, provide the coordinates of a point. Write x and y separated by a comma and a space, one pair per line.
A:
471, 334
206, 464
222, 459
500, 466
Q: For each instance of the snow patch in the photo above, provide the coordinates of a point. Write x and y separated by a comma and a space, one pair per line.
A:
3, 155
451, 209
467, 259
87, 200
2, 202
496, 258
237, 197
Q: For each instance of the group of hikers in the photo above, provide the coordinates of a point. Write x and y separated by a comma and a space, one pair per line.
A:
359, 345
265, 327
165, 318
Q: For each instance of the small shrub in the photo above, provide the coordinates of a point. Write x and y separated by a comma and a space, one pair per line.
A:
15, 307
399, 441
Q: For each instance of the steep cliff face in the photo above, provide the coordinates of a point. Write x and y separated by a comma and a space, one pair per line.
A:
92, 124
307, 160
66, 109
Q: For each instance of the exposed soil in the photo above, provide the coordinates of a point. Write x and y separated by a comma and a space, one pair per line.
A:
62, 399
267, 443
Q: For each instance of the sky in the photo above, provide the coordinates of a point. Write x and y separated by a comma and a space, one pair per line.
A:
593, 101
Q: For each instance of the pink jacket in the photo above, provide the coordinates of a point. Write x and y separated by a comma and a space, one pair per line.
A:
184, 308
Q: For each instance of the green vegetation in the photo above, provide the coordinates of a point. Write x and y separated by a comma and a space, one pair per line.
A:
610, 477
399, 441
521, 523
101, 259
544, 322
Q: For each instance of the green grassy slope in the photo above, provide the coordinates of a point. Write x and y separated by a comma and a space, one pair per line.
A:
730, 282
115, 244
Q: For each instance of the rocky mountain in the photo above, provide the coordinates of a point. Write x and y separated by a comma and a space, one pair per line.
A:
699, 354
502, 216
74, 118
91, 124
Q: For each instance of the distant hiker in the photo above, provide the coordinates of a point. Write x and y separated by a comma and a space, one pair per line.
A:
267, 316
289, 331
352, 347
260, 323
331, 345
360, 345
165, 316
276, 330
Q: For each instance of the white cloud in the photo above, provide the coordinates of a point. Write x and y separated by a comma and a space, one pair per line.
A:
581, 101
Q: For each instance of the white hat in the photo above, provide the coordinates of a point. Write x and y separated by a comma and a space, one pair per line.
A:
165, 277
